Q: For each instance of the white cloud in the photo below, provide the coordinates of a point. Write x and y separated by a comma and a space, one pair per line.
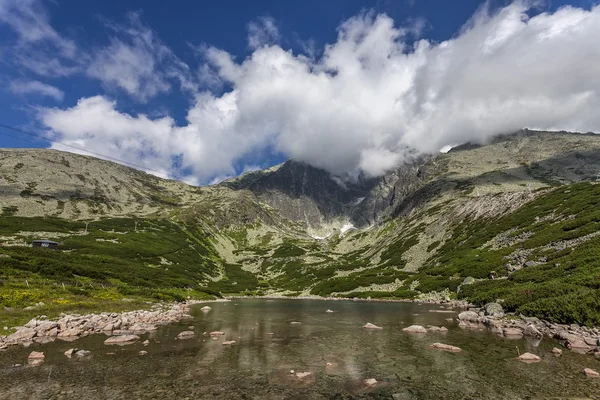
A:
39, 47
262, 32
36, 87
372, 100
137, 62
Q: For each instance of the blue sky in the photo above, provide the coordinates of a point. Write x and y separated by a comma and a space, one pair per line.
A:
198, 90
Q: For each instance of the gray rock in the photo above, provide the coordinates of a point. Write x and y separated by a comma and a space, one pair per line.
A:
122, 340
529, 263
468, 316
468, 280
494, 309
533, 332
415, 329
83, 353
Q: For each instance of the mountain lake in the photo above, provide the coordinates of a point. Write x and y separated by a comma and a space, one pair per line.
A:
295, 349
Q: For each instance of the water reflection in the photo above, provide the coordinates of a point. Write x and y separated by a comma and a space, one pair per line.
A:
328, 354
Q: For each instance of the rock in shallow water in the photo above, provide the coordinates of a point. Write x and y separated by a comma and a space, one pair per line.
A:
591, 373
369, 325
186, 335
415, 329
528, 358
446, 347
206, 308
557, 351
122, 340
36, 358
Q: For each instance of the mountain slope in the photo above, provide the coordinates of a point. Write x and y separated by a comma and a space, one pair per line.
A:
514, 220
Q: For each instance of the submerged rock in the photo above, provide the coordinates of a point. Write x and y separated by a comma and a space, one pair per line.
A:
557, 351
512, 332
206, 308
528, 358
446, 347
302, 375
122, 340
83, 353
415, 329
216, 333
591, 373
433, 328
186, 335
36, 358
369, 325
370, 382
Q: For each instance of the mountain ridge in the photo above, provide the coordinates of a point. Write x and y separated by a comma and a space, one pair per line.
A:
420, 231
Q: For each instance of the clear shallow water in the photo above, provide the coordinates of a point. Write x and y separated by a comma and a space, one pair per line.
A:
258, 365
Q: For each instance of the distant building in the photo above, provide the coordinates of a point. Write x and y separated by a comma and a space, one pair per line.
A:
49, 244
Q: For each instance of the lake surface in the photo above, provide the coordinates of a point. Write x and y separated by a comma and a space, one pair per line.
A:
334, 347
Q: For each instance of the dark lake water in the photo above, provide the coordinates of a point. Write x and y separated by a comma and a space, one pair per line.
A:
333, 347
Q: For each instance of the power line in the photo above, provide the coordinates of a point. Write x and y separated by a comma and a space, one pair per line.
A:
117, 160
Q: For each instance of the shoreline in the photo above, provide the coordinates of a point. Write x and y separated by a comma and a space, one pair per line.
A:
70, 327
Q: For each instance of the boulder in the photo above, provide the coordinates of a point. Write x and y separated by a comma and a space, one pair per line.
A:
512, 332
432, 328
22, 334
468, 316
369, 325
577, 344
468, 280
122, 340
590, 341
83, 353
591, 373
533, 332
557, 351
35, 358
493, 309
446, 347
186, 335
206, 308
415, 329
370, 382
528, 358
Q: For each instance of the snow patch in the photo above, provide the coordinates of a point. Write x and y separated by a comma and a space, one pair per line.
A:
346, 228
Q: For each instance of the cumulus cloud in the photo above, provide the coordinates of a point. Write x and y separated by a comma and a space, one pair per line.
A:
373, 99
36, 87
137, 62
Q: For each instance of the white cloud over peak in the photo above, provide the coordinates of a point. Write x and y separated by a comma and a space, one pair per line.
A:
36, 87
372, 100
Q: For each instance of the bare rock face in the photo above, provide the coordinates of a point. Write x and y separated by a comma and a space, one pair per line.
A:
446, 347
369, 325
528, 358
186, 335
122, 340
415, 329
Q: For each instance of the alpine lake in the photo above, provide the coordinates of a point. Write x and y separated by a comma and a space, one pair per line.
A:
322, 355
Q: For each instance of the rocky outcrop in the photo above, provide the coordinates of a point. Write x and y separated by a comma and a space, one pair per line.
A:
71, 327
